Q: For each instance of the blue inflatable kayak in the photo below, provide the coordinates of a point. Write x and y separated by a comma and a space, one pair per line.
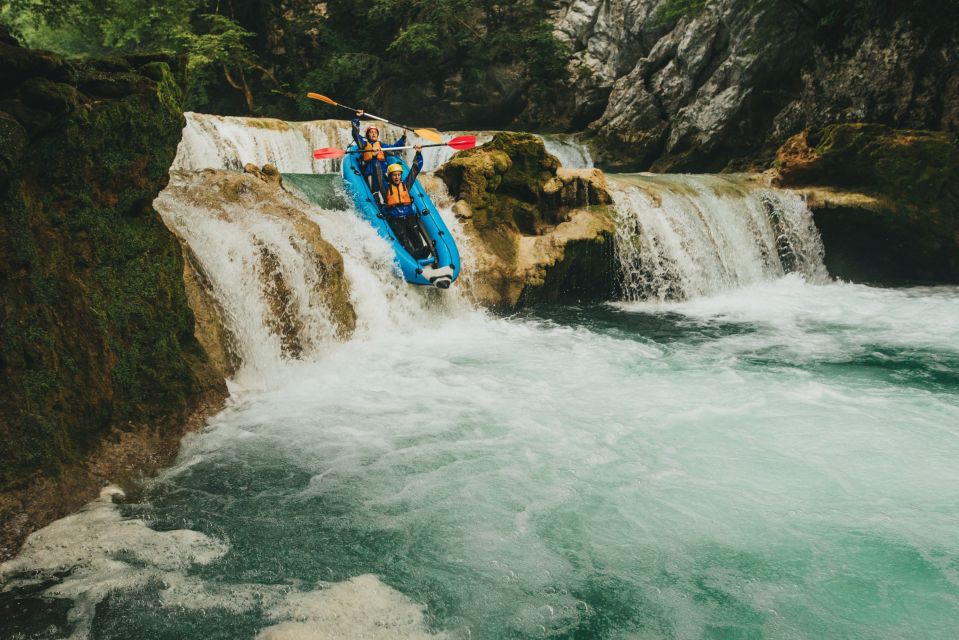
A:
442, 266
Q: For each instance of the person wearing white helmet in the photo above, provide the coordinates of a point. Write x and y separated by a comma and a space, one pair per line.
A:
373, 160
400, 212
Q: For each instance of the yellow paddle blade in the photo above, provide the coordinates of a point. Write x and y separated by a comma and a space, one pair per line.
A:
429, 134
322, 98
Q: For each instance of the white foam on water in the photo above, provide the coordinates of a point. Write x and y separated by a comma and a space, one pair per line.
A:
105, 553
522, 468
812, 320
362, 607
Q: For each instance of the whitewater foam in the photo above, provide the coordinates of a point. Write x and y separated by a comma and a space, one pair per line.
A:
679, 237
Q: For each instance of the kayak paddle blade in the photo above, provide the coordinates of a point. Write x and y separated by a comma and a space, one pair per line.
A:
462, 142
328, 153
429, 134
321, 98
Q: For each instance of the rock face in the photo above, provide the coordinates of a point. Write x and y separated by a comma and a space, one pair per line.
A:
97, 338
229, 195
886, 201
725, 84
538, 232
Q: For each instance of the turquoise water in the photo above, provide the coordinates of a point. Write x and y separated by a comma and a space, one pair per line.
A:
777, 462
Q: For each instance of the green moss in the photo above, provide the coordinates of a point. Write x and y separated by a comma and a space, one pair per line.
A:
503, 182
96, 331
671, 11
914, 170
912, 234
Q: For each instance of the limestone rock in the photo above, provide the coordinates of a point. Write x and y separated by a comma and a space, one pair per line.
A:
537, 231
231, 194
725, 84
886, 201
268, 173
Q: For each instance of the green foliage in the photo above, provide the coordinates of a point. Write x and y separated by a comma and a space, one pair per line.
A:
101, 26
416, 43
223, 42
936, 17
425, 43
671, 11
211, 41
355, 51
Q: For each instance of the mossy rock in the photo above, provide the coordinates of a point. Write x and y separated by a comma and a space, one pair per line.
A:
911, 167
96, 333
911, 234
56, 98
13, 142
18, 64
503, 182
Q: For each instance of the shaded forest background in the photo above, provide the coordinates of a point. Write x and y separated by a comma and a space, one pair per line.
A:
256, 57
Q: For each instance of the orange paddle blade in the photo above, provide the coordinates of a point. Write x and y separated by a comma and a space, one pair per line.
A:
429, 134
322, 98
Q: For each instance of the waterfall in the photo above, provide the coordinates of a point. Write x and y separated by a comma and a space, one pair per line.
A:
570, 151
226, 142
258, 267
255, 248
229, 142
683, 236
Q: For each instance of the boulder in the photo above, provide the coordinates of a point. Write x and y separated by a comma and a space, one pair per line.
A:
537, 231
886, 201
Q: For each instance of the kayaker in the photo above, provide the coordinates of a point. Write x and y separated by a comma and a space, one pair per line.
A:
373, 160
400, 212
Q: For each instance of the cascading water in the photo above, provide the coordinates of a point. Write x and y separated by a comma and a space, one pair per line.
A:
225, 142
679, 237
772, 458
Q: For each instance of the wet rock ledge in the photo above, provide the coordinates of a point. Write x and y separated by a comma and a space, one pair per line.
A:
886, 201
538, 232
101, 372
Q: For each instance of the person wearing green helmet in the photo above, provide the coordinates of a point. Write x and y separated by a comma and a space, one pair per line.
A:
400, 212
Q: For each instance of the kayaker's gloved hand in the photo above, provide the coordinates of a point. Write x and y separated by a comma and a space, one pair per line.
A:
359, 113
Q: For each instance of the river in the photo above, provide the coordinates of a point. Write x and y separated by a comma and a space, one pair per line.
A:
765, 454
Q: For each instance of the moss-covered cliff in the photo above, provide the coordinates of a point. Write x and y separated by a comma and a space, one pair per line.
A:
95, 333
886, 201
538, 232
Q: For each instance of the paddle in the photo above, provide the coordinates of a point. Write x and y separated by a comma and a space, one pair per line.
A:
459, 143
428, 134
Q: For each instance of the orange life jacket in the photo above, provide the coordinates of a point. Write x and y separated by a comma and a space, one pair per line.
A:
397, 194
370, 148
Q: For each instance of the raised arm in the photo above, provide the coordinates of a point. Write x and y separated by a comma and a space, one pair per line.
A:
399, 143
415, 168
355, 129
